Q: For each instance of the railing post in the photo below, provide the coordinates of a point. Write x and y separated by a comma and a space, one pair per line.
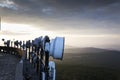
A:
37, 66
32, 45
47, 65
41, 63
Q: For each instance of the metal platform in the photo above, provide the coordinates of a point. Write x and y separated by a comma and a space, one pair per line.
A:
8, 65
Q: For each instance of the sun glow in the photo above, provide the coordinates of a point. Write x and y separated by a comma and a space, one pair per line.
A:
22, 31
16, 27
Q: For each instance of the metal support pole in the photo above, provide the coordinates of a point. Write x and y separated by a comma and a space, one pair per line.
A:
47, 65
41, 64
29, 46
32, 45
26, 51
37, 60
29, 53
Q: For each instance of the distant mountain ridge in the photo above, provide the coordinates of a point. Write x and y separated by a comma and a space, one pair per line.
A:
88, 50
93, 57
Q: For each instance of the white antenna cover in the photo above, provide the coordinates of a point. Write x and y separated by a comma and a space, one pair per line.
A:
52, 70
43, 76
52, 64
57, 48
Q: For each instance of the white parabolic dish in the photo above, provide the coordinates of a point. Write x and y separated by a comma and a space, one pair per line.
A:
57, 48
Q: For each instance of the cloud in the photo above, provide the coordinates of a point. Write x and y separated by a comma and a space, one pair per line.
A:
63, 7
8, 4
48, 11
66, 14
13, 33
66, 17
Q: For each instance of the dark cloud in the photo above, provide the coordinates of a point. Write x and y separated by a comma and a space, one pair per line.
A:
64, 3
62, 7
64, 14
71, 17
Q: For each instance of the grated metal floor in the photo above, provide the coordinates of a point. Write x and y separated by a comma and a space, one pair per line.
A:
8, 66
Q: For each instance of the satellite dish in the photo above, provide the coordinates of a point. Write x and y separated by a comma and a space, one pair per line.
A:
37, 41
57, 48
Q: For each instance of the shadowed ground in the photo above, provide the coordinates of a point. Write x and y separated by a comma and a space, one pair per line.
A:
8, 66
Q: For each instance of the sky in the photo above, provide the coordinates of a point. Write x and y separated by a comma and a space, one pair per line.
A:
83, 23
